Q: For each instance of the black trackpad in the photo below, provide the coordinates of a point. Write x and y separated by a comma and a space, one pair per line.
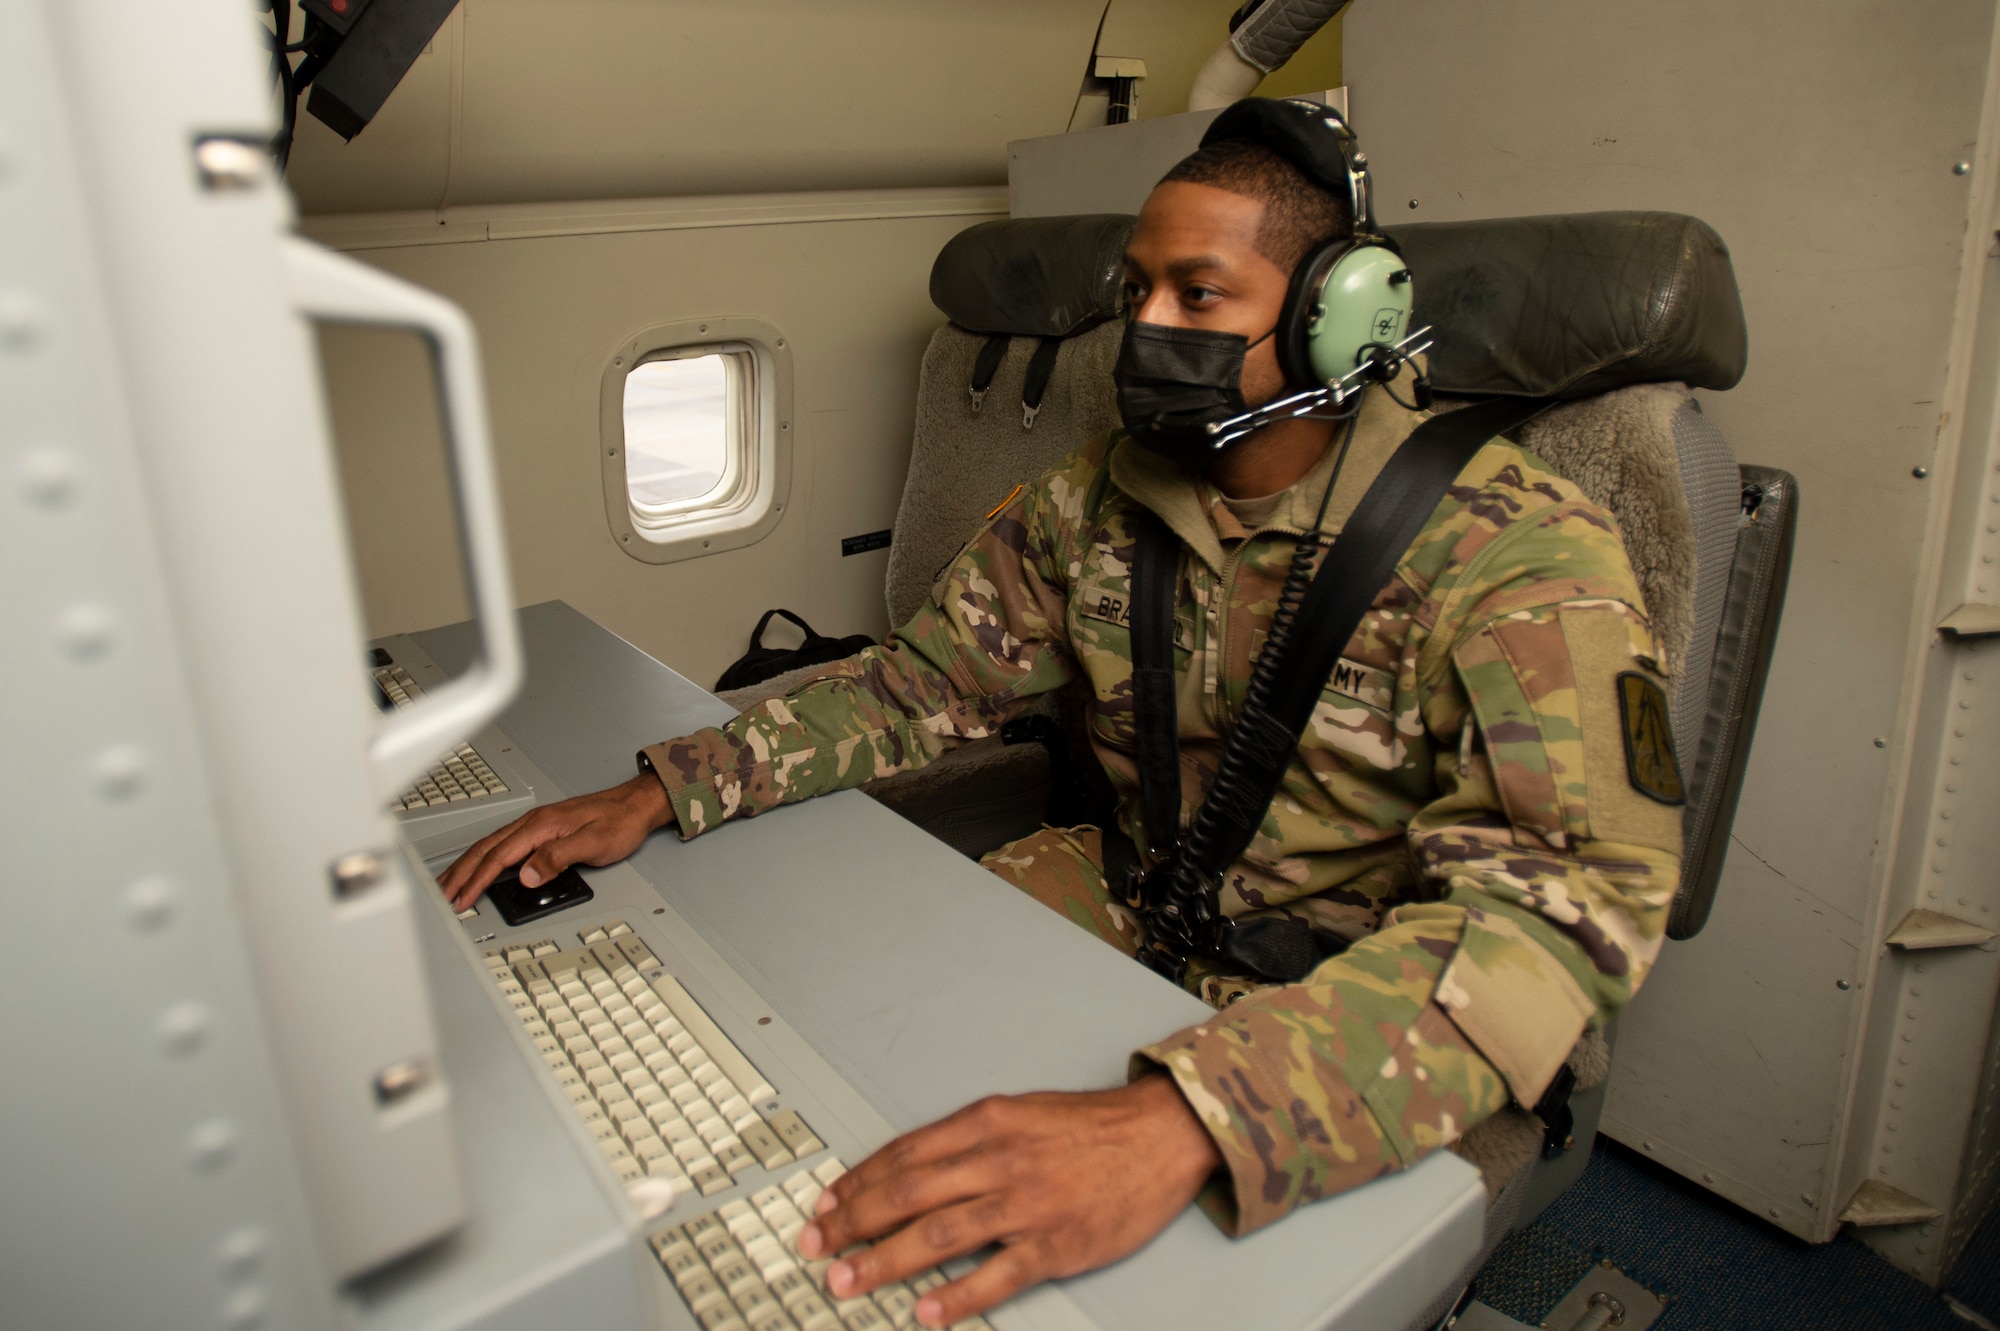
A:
518, 904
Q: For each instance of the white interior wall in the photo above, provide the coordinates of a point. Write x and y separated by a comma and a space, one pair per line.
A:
551, 310
1819, 140
523, 100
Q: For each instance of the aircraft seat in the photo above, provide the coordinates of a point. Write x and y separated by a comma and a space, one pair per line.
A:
1619, 316
1019, 377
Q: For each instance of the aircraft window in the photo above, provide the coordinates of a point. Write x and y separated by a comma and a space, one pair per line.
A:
696, 418
684, 418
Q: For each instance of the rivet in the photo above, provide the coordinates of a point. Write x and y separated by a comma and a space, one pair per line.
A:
1774, 1213
1881, 743
1944, 815
356, 872
84, 631
240, 1252
1647, 1145
781, 341
212, 1145
1918, 967
119, 772
1808, 1199
398, 1081
1708, 1178
183, 1028
1413, 203
1921, 1249
1842, 984
1965, 704
48, 477
1916, 992
659, 910
21, 323
1959, 731
704, 328
224, 163
1942, 841
1951, 787
617, 360
1920, 472
150, 904
1961, 168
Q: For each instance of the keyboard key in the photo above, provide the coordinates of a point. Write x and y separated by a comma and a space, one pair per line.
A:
678, 1256
723, 1319
797, 1137
865, 1317
708, 1177
736, 1274
764, 1144
756, 1301
792, 1289
897, 1303
813, 1314
703, 1291
716, 1247
771, 1319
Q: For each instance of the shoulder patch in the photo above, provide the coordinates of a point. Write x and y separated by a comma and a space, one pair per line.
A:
1649, 739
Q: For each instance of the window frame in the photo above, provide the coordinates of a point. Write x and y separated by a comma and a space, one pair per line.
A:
749, 501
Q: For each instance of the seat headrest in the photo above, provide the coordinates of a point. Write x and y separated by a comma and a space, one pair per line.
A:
1035, 276
1573, 305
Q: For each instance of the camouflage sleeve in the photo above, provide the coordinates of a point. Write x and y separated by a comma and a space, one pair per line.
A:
991, 635
1550, 856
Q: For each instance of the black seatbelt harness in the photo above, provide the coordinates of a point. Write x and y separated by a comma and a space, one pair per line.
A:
1180, 900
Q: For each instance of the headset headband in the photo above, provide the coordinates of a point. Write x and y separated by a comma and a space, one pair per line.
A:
1314, 138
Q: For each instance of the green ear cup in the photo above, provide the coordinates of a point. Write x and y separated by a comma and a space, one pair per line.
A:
1365, 299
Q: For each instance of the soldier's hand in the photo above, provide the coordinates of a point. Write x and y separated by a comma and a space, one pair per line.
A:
1064, 1183
590, 829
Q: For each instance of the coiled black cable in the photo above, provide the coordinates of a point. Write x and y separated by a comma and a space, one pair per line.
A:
1189, 900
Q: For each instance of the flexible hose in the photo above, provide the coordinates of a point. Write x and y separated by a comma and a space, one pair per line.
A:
1188, 896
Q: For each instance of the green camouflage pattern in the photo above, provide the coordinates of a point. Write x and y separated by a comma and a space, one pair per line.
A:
1448, 812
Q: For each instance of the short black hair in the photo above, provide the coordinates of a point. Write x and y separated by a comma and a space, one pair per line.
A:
1299, 214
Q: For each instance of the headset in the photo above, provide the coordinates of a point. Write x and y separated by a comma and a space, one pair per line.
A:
1348, 307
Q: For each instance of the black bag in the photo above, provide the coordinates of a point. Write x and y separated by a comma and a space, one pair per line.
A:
761, 663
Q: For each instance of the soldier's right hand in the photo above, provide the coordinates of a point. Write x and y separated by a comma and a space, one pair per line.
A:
590, 829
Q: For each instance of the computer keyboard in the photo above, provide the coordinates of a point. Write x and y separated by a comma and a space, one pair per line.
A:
462, 776
739, 1268
677, 1109
479, 787
674, 1105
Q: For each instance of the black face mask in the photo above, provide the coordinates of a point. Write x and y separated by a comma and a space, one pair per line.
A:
1175, 382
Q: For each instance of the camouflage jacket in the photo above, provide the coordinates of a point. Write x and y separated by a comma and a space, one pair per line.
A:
1463, 805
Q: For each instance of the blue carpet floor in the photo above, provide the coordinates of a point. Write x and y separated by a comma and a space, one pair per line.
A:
1718, 1268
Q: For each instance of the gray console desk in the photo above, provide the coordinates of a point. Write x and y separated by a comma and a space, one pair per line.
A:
924, 982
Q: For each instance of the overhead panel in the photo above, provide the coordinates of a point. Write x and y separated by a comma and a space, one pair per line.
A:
528, 102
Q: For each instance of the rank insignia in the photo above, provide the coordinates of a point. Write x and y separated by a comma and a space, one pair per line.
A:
1649, 739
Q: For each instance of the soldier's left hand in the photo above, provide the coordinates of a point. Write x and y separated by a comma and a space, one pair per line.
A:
1062, 1182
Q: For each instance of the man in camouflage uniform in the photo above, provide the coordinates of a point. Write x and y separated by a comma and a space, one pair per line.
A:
1460, 807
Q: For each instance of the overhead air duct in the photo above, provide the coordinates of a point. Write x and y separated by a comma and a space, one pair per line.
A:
1263, 35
